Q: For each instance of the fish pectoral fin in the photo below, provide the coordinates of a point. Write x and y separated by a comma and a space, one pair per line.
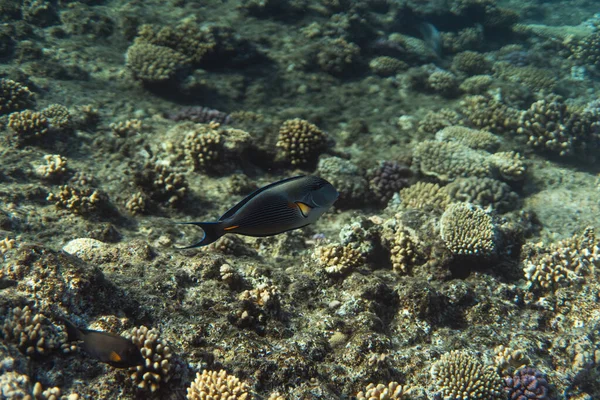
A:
304, 208
114, 357
230, 228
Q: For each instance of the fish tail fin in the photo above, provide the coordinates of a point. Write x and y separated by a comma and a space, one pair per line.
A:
212, 233
73, 333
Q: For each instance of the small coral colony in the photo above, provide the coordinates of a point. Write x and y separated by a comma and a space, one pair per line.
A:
385, 199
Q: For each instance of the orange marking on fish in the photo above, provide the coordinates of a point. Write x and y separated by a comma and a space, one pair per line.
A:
304, 208
291, 205
231, 227
114, 357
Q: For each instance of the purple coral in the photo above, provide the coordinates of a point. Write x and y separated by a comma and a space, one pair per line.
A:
527, 384
388, 178
200, 115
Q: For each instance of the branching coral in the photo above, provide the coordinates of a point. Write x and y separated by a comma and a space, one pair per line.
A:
218, 386
387, 179
391, 391
337, 259
557, 264
483, 192
458, 375
338, 56
33, 333
527, 384
151, 63
27, 125
489, 114
77, 200
473, 138
425, 195
161, 183
301, 142
14, 96
157, 368
450, 160
468, 230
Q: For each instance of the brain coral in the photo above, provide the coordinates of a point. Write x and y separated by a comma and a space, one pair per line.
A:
468, 230
458, 375
450, 160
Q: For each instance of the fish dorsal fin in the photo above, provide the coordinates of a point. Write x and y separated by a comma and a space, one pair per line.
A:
304, 208
239, 205
114, 357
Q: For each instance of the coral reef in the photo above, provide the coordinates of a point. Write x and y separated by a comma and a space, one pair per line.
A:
54, 168
80, 201
387, 66
447, 161
527, 384
435, 121
27, 125
483, 192
470, 63
489, 114
338, 56
347, 178
219, 386
33, 333
337, 259
157, 369
460, 375
301, 142
14, 96
391, 391
425, 195
154, 64
387, 179
567, 261
203, 147
126, 128
58, 116
509, 165
161, 183
473, 138
468, 230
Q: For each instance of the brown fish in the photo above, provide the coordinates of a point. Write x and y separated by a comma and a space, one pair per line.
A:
106, 347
